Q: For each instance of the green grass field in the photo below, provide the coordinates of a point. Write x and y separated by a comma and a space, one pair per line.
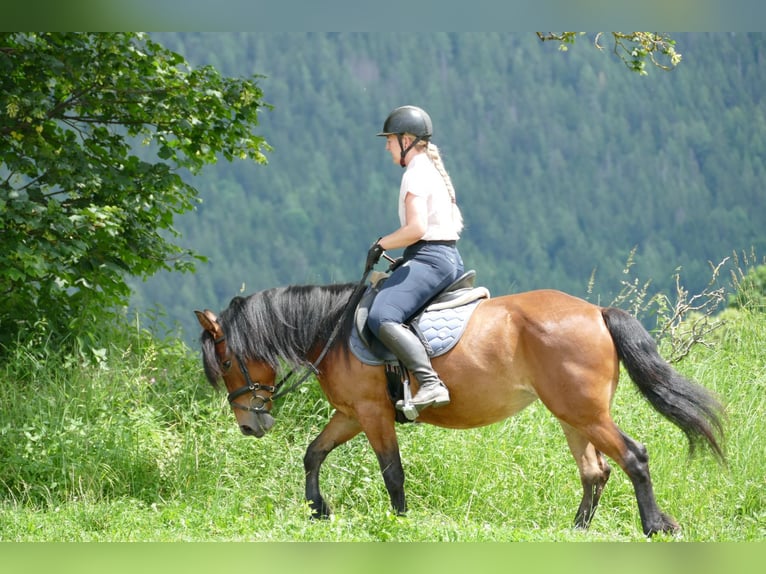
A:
135, 446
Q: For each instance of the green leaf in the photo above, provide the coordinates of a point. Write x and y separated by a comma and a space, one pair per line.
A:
90, 198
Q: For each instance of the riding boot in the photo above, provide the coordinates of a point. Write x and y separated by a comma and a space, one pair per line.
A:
411, 352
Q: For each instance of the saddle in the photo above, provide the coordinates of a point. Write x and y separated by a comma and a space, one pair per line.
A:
439, 324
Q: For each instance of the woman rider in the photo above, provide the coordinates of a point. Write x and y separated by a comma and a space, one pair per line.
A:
430, 225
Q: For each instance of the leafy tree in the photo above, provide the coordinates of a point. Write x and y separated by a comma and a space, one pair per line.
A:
635, 49
81, 208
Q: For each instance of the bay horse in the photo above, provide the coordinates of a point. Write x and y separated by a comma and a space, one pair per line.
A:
542, 344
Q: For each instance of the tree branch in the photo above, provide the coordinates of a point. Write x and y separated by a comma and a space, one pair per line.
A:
633, 48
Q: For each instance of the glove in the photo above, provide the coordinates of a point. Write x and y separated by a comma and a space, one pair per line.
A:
373, 255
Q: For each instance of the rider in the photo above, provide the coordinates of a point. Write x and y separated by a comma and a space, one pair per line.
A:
430, 227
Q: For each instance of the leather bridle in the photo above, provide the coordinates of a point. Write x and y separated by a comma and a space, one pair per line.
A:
258, 402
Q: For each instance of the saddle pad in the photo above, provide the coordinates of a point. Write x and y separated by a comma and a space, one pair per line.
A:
439, 329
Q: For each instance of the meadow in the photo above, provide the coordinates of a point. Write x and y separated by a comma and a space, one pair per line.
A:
130, 443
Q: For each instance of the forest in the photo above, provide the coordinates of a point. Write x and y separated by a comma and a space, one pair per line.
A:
573, 172
568, 167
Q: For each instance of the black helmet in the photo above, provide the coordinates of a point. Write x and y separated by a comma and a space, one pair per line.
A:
408, 120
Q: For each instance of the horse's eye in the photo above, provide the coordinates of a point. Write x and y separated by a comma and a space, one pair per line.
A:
226, 364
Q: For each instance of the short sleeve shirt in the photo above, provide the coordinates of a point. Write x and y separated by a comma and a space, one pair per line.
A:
421, 178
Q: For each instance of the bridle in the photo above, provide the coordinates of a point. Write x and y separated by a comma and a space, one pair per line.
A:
258, 402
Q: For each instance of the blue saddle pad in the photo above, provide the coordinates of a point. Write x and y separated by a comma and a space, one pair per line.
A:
440, 330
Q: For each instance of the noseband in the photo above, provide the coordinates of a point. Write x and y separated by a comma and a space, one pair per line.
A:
258, 402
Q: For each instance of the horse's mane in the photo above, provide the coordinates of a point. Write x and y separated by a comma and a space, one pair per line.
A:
281, 325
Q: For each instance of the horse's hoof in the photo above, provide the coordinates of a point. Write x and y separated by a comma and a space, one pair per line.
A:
319, 511
666, 526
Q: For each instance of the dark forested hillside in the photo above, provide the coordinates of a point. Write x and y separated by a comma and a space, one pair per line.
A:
563, 161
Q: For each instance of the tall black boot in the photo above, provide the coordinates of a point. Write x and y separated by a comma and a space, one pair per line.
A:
410, 351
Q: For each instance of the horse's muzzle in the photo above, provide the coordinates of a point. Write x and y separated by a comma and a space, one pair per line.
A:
261, 424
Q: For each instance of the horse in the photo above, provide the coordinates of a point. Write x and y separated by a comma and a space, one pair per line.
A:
515, 349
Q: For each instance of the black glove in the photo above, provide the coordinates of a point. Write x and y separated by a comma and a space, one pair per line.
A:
373, 255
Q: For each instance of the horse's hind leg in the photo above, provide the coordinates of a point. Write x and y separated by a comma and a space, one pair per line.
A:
594, 473
634, 460
636, 465
340, 429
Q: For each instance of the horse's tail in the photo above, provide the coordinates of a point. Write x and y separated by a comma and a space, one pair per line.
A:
689, 406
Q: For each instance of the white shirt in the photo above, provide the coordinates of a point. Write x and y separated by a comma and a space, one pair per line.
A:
421, 178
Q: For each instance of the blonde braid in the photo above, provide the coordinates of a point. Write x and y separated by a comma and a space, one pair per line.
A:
433, 154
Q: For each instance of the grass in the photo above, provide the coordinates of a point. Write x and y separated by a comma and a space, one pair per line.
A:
133, 445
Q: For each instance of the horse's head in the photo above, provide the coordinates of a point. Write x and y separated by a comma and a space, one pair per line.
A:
250, 384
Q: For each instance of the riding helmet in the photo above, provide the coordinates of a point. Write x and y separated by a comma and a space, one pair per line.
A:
408, 120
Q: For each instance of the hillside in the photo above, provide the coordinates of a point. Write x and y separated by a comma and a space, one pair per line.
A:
563, 162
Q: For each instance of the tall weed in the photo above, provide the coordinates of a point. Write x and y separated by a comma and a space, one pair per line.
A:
72, 427
130, 443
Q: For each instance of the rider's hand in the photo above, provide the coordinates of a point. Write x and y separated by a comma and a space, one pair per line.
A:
373, 255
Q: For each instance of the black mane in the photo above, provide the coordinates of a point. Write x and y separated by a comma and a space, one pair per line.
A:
281, 325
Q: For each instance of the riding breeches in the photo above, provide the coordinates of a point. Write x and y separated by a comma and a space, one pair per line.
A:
428, 268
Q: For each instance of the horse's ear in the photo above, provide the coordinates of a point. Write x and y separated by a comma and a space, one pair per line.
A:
209, 322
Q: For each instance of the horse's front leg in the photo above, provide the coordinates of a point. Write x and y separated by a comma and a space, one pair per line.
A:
381, 433
340, 429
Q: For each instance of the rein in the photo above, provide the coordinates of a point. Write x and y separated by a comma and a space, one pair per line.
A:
312, 368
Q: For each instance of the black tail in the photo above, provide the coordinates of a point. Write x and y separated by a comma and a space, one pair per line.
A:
689, 406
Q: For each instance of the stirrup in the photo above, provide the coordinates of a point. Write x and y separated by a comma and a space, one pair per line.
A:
410, 411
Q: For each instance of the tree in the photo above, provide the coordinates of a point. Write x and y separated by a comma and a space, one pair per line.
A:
633, 48
81, 206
